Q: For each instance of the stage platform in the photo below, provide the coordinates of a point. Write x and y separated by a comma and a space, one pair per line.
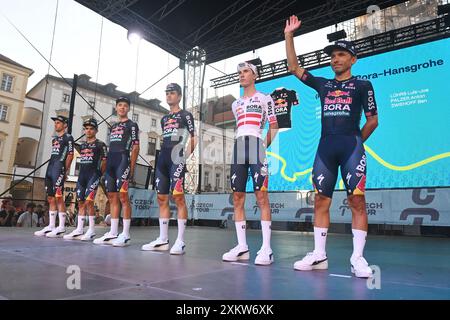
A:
36, 268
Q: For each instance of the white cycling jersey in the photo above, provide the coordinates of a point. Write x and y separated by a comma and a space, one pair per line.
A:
251, 114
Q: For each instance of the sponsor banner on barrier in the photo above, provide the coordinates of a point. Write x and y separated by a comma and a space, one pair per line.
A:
376, 206
143, 203
430, 207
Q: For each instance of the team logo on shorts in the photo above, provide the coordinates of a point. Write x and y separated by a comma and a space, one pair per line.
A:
59, 193
178, 190
265, 186
124, 188
361, 187
91, 196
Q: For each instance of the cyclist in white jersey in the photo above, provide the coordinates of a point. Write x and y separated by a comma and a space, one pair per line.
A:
251, 112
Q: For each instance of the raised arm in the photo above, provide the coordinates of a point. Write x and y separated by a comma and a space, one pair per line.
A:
292, 25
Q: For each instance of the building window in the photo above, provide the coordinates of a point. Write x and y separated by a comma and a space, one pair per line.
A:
66, 98
153, 122
7, 82
206, 182
217, 181
3, 112
135, 117
151, 146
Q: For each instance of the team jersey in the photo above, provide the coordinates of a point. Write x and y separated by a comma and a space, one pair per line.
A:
61, 148
252, 113
123, 135
91, 155
284, 100
176, 127
342, 103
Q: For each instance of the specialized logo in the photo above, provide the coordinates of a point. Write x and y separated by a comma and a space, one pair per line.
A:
320, 179
233, 178
349, 176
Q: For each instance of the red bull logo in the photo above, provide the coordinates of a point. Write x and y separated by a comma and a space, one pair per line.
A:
59, 193
339, 100
361, 187
91, 196
338, 93
280, 101
178, 190
124, 188
265, 186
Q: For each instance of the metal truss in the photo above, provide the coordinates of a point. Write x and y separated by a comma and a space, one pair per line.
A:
424, 31
167, 9
333, 11
194, 78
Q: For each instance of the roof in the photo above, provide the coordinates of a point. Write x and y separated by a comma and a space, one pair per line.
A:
225, 28
109, 90
10, 61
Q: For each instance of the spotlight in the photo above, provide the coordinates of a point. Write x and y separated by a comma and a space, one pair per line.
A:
341, 34
443, 9
134, 36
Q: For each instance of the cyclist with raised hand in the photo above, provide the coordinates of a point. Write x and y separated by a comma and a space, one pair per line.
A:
343, 99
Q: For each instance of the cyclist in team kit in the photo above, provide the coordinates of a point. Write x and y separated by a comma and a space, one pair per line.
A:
343, 99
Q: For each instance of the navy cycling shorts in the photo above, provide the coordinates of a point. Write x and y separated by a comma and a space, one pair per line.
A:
87, 185
54, 179
170, 174
117, 172
346, 152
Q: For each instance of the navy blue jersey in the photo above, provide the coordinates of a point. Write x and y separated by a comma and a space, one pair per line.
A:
91, 155
61, 148
342, 103
176, 127
123, 135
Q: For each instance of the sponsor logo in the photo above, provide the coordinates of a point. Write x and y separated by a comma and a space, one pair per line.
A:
320, 179
178, 190
338, 93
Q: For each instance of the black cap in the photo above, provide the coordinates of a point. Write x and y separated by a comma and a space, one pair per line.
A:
123, 99
61, 118
341, 45
91, 122
174, 87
